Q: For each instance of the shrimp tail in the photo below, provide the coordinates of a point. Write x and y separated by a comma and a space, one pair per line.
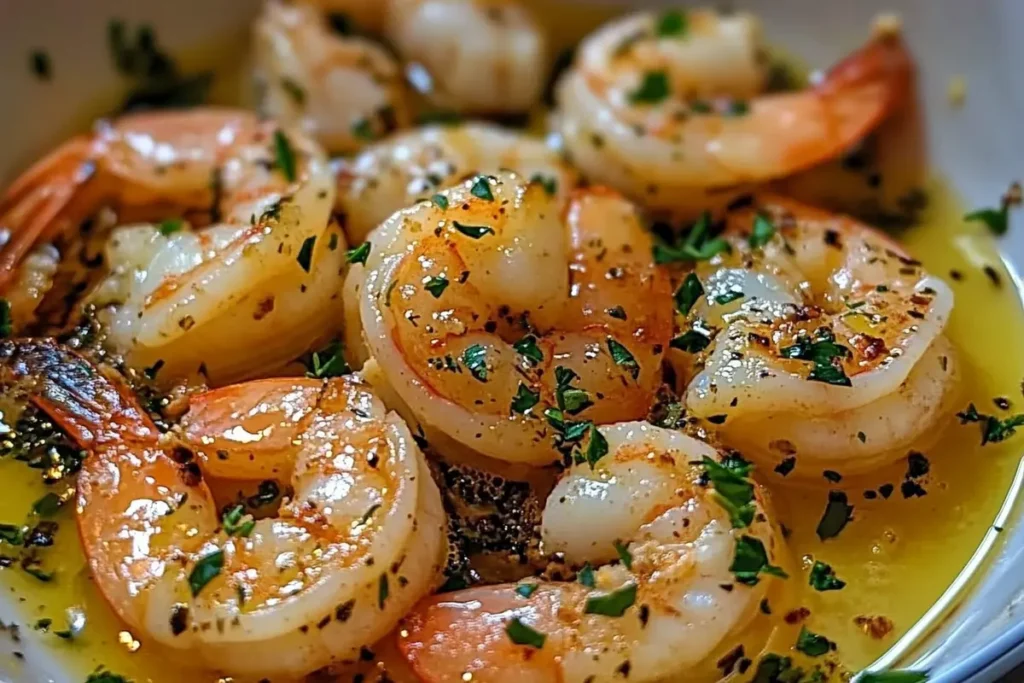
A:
38, 204
95, 409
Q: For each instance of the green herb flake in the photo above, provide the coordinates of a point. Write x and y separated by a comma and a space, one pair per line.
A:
475, 360
612, 604
482, 188
525, 590
993, 429
762, 232
737, 108
698, 245
812, 644
549, 183
585, 576
235, 522
359, 254
654, 88
524, 399
733, 491
39, 62
305, 256
623, 358
823, 578
436, 284
474, 231
570, 399
206, 569
728, 297
895, 676
362, 129
837, 514
48, 505
440, 201
622, 550
102, 675
689, 292
171, 226
284, 155
527, 348
691, 341
382, 591
824, 353
751, 560
10, 533
328, 362
997, 220
6, 321
521, 634
294, 90
597, 446
672, 24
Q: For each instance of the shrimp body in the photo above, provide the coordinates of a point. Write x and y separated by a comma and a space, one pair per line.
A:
683, 606
826, 341
359, 541
217, 297
473, 56
341, 90
673, 115
497, 303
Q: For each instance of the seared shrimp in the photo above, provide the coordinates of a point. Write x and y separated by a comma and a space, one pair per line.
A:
686, 590
344, 91
361, 539
502, 316
248, 293
472, 56
669, 110
411, 166
824, 340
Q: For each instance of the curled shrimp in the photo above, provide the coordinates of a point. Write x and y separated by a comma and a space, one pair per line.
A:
413, 165
500, 315
472, 56
669, 610
824, 340
669, 109
360, 540
341, 90
246, 293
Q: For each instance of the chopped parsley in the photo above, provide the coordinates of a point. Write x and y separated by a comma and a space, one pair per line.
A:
998, 220
102, 675
689, 292
653, 89
10, 533
733, 491
622, 550
751, 560
837, 514
474, 231
762, 232
359, 254
824, 353
382, 591
170, 226
691, 341
823, 578
524, 399
205, 571
440, 201
284, 155
612, 604
597, 446
993, 429
812, 644
294, 90
623, 358
585, 577
698, 245
672, 23
475, 360
327, 362
234, 522
436, 285
6, 321
305, 257
526, 589
527, 348
48, 505
737, 108
482, 188
728, 297
362, 129
549, 183
570, 399
521, 634
895, 676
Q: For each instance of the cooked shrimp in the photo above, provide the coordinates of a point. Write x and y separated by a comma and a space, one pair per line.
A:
344, 91
496, 312
246, 294
668, 109
472, 56
411, 166
361, 539
826, 340
687, 591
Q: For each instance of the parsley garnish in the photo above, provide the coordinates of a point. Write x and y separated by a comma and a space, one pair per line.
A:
897, 676
170, 226
622, 550
9, 533
524, 399
482, 188
328, 362
733, 490
305, 256
728, 297
586, 576
474, 231
612, 604
823, 578
549, 183
47, 505
812, 644
751, 560
837, 514
652, 89
294, 91
527, 347
284, 155
697, 246
440, 201
206, 569
521, 634
997, 220
436, 285
762, 232
6, 322
993, 429
691, 341
363, 129
382, 591
672, 23
101, 675
359, 254
737, 108
688, 294
597, 447
623, 358
526, 589
475, 360
570, 399
233, 523
826, 355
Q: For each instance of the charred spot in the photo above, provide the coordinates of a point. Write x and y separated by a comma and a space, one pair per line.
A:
832, 238
876, 626
870, 347
190, 474
798, 615
179, 619
729, 661
343, 611
263, 308
744, 201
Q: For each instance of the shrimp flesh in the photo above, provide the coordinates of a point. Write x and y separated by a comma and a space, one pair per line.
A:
817, 337
245, 294
343, 91
685, 591
360, 540
502, 316
669, 108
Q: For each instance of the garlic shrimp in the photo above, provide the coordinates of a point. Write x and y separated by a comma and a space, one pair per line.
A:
247, 290
503, 317
360, 540
676, 582
815, 337
669, 108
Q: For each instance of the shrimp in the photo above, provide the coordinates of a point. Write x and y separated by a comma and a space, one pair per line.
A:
341, 90
824, 340
413, 165
669, 109
471, 56
360, 540
246, 294
686, 591
499, 315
